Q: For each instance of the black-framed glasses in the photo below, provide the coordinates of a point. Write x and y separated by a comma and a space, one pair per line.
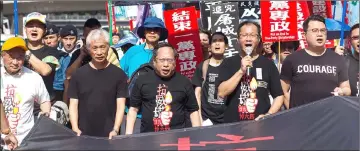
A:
355, 37
249, 35
316, 30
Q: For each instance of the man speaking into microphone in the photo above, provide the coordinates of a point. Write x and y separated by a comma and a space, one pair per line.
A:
247, 79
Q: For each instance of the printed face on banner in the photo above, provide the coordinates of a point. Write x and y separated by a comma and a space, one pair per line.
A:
280, 17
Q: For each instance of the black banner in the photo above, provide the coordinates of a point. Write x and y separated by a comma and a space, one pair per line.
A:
249, 10
328, 124
225, 19
205, 13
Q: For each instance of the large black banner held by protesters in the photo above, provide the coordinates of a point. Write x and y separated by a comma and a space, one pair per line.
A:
328, 124
225, 19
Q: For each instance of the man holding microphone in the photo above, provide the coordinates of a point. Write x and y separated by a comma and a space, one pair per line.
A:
247, 79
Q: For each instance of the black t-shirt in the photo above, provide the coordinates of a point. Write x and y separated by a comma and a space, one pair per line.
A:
51, 56
212, 107
239, 104
97, 91
156, 96
353, 66
313, 77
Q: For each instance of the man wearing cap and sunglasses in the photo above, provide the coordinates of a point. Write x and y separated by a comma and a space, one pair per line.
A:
153, 30
20, 89
51, 38
40, 58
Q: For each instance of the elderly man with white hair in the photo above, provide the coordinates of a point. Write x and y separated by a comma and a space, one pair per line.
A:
97, 91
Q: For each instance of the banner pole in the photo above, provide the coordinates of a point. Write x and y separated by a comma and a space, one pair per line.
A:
343, 23
110, 20
279, 57
16, 19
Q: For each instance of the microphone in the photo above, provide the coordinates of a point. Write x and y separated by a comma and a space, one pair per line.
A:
248, 51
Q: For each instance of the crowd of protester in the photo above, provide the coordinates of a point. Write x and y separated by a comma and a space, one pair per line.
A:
89, 86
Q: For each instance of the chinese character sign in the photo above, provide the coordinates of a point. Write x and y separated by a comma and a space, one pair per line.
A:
302, 14
225, 19
320, 7
205, 13
281, 19
184, 36
249, 10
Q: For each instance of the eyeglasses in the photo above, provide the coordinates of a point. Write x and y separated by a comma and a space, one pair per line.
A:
355, 37
316, 30
162, 60
249, 35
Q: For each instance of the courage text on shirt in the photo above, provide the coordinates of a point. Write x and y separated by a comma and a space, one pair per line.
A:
316, 69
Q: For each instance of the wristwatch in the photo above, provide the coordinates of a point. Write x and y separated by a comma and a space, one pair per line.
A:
27, 56
5, 131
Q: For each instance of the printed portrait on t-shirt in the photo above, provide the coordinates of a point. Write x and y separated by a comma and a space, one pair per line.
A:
162, 112
248, 100
11, 103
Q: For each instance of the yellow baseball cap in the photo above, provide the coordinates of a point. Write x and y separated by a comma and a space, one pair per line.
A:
13, 43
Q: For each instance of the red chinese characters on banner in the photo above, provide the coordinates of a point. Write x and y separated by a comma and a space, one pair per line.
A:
302, 14
320, 7
184, 36
280, 18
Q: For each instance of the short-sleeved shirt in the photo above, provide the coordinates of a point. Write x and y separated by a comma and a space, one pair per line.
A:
97, 92
134, 58
353, 66
212, 107
156, 95
51, 56
313, 77
18, 94
267, 78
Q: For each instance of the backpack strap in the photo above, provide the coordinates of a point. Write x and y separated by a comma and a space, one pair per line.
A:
204, 70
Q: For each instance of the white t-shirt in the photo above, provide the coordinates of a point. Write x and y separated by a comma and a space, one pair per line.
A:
18, 94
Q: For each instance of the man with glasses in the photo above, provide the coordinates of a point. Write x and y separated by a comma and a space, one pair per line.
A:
246, 91
164, 95
314, 73
153, 31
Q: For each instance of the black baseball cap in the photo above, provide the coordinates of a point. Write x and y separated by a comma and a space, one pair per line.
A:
68, 30
51, 29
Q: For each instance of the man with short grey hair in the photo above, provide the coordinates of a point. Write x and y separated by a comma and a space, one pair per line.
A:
97, 91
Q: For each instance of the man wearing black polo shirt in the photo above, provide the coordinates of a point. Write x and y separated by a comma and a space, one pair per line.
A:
164, 96
41, 58
247, 92
314, 73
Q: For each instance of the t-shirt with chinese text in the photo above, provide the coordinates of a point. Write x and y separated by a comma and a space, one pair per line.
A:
51, 56
158, 96
97, 91
212, 107
240, 104
353, 66
18, 94
313, 77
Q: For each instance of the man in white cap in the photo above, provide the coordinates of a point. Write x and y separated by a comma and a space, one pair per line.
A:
40, 58
20, 89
